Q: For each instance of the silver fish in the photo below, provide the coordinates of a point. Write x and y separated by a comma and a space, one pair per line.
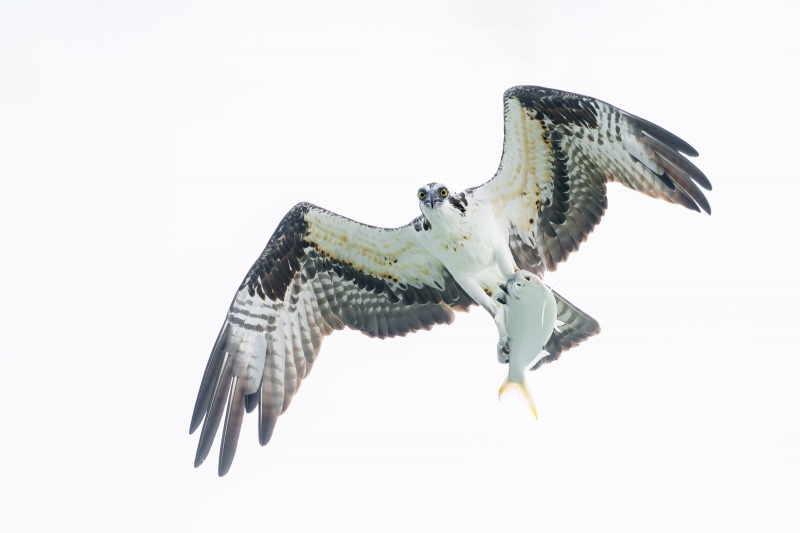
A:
530, 317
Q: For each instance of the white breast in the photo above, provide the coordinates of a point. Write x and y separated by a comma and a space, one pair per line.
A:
467, 244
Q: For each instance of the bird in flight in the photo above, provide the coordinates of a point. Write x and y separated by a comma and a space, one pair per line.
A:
322, 272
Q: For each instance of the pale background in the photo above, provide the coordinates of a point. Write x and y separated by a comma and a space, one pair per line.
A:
148, 150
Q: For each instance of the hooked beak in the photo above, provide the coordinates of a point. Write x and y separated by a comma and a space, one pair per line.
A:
429, 200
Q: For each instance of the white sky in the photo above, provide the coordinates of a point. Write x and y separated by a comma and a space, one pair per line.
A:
149, 148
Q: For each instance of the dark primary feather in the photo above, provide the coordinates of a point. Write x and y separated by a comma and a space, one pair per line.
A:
251, 401
658, 132
213, 414
233, 425
210, 377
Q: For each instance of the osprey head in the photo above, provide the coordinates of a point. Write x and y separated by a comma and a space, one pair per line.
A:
432, 195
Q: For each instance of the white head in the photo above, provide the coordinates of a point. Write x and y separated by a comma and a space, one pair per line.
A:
434, 196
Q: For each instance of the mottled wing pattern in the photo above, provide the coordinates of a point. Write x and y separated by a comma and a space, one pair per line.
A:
560, 150
320, 272
575, 327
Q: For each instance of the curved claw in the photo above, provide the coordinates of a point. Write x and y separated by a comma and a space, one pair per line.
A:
503, 287
503, 350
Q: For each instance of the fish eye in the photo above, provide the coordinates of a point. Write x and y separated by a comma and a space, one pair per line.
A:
443, 193
422, 194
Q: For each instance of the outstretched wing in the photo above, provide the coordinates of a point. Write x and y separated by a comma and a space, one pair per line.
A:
319, 272
560, 150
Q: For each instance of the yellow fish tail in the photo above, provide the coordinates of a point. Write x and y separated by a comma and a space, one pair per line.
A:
522, 390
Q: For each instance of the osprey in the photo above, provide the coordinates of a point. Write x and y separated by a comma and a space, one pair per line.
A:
322, 272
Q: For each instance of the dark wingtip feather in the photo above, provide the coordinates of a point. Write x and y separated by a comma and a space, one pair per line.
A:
688, 186
670, 139
209, 378
685, 183
686, 201
266, 418
678, 164
214, 414
266, 425
233, 426
251, 401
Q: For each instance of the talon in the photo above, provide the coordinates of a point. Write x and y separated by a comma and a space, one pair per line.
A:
503, 349
501, 299
504, 345
503, 287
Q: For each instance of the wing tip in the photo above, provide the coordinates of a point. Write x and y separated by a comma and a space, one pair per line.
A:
266, 425
198, 460
686, 148
197, 419
233, 425
663, 135
224, 465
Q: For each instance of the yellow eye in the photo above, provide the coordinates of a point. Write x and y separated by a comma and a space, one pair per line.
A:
421, 195
443, 193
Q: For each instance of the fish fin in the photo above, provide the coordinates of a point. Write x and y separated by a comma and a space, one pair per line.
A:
522, 390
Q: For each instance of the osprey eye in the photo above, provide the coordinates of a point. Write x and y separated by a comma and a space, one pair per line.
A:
421, 195
443, 193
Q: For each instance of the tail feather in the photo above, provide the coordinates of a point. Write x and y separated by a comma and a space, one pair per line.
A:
577, 327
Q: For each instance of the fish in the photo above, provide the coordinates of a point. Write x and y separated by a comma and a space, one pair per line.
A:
529, 313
